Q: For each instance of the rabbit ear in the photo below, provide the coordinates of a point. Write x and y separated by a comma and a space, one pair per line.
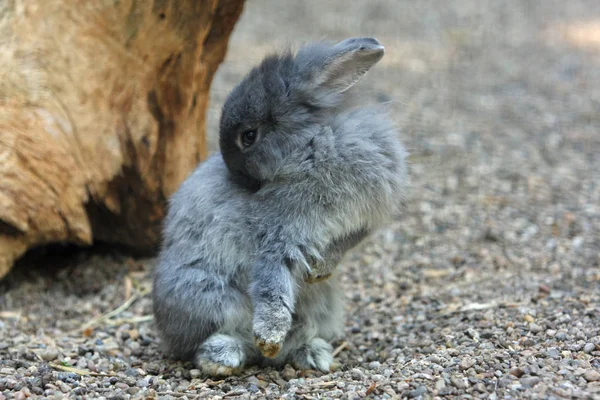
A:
347, 62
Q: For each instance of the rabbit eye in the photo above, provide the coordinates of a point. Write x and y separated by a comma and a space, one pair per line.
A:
248, 138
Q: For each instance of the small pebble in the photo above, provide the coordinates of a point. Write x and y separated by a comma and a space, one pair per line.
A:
535, 328
553, 353
528, 318
576, 347
418, 392
153, 368
466, 363
132, 372
591, 375
19, 396
588, 348
80, 391
288, 373
130, 380
561, 336
91, 366
439, 384
357, 374
460, 383
528, 342
529, 381
434, 359
533, 369
63, 387
49, 354
133, 390
143, 383
421, 375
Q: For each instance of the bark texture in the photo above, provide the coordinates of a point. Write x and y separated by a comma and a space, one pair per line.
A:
102, 107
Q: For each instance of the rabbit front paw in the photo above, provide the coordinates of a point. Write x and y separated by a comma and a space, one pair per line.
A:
270, 329
320, 270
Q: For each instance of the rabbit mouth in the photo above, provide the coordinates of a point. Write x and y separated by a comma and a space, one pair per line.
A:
245, 180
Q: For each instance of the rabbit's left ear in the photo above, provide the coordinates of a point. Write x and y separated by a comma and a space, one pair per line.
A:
347, 62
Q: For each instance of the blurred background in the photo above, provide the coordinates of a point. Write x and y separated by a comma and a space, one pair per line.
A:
498, 103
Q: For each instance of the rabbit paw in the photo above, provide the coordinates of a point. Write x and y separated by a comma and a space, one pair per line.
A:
315, 354
268, 348
214, 369
220, 355
317, 268
320, 270
270, 329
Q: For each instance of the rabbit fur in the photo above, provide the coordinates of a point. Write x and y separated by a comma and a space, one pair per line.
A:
246, 272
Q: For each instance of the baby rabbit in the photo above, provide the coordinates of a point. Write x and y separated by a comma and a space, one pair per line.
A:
251, 236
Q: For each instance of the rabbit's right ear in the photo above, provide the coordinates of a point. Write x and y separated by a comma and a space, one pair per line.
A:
341, 66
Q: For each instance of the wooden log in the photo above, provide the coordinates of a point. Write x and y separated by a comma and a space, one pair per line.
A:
102, 107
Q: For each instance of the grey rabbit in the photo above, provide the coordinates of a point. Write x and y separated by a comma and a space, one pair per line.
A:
247, 269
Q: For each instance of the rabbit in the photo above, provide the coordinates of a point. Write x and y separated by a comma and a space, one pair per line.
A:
247, 271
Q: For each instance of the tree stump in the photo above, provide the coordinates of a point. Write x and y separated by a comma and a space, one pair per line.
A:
102, 107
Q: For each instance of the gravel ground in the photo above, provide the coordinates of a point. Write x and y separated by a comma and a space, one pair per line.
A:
488, 287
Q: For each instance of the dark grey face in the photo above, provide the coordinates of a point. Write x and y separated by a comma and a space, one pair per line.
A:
275, 109
263, 118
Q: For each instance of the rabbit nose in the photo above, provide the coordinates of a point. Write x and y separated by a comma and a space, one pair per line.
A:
362, 44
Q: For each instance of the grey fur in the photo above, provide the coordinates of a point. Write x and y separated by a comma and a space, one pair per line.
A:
249, 230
